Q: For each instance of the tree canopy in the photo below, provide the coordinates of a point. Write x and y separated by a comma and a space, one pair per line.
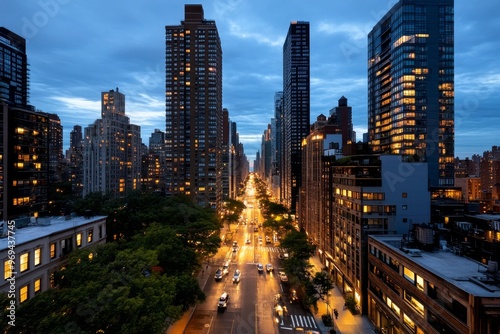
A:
138, 284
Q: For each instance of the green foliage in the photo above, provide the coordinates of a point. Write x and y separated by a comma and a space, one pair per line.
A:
297, 245
138, 284
350, 303
327, 320
323, 283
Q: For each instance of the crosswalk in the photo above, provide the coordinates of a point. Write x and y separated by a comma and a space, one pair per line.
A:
265, 248
298, 321
303, 321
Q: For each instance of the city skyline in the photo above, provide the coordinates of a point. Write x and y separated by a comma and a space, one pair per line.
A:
78, 50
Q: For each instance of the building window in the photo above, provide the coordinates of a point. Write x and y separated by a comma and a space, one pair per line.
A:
78, 240
23, 293
100, 231
38, 256
409, 275
7, 269
37, 285
405, 195
405, 207
24, 262
53, 250
90, 235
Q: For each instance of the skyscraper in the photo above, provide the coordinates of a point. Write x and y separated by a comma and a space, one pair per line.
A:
411, 85
194, 117
112, 149
13, 69
296, 108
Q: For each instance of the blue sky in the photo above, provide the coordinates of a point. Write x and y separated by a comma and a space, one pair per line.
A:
78, 49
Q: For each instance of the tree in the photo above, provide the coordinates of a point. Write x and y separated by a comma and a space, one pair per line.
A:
297, 245
323, 284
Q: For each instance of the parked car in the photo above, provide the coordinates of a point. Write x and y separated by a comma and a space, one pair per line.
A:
269, 267
237, 276
283, 277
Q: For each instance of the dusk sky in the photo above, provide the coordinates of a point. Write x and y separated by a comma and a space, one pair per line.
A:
78, 49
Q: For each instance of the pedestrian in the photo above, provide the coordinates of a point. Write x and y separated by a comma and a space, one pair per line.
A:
336, 313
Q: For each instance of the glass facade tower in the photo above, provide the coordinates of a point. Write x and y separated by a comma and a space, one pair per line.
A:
296, 108
411, 85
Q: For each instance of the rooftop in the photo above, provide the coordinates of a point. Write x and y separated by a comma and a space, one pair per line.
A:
44, 228
466, 274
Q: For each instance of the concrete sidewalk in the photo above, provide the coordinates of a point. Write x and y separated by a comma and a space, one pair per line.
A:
347, 323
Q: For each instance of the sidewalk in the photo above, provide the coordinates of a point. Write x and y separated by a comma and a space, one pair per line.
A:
346, 322
180, 325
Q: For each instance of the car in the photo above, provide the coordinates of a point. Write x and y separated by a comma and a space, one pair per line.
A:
260, 267
248, 241
235, 243
283, 277
284, 256
223, 301
237, 276
268, 240
255, 229
235, 249
218, 274
225, 268
269, 267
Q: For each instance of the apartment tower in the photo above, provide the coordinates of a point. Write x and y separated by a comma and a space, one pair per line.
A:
296, 108
194, 117
411, 85
112, 150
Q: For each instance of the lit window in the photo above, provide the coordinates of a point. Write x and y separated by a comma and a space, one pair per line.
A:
37, 285
23, 293
52, 250
7, 269
24, 262
38, 256
90, 235
409, 275
78, 239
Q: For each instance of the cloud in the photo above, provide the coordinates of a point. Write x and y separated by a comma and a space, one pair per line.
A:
353, 31
78, 103
237, 30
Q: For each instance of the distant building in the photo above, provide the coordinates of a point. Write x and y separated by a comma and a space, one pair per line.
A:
411, 85
24, 162
194, 116
416, 291
42, 249
342, 117
112, 150
296, 108
153, 163
14, 73
74, 155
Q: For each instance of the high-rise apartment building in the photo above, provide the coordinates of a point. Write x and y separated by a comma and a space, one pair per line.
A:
14, 79
277, 142
411, 85
74, 156
112, 149
194, 118
24, 163
296, 108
